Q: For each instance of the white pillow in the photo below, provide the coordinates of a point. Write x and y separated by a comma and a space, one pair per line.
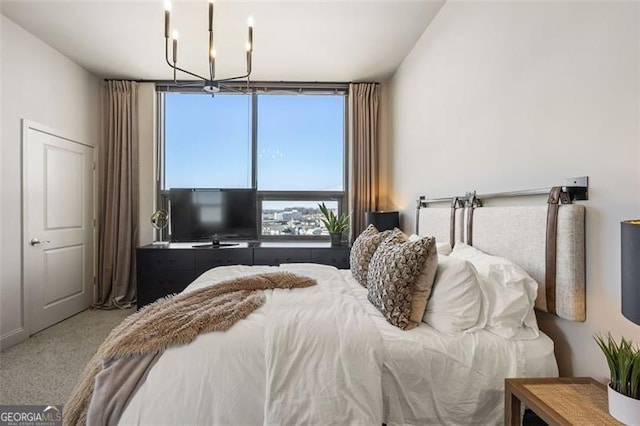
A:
509, 293
443, 248
456, 299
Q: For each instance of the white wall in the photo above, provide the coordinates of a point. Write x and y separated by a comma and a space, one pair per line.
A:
507, 96
39, 84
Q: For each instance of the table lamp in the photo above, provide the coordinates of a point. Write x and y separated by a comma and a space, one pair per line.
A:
383, 221
630, 254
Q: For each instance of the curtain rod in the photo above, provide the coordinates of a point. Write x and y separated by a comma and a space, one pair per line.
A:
269, 84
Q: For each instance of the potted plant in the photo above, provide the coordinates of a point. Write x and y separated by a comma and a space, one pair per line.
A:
336, 225
623, 360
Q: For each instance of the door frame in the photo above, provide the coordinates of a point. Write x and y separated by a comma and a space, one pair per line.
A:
26, 296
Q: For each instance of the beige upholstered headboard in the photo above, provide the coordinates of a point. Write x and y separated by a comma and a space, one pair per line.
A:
436, 222
520, 235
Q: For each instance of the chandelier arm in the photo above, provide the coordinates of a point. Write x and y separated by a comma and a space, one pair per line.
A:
166, 57
188, 72
222, 80
212, 58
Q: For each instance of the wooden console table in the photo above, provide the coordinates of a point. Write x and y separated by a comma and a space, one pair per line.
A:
558, 400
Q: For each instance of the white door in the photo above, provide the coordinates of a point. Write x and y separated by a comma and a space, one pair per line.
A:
58, 226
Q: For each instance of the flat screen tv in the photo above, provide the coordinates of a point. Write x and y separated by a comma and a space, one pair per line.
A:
197, 214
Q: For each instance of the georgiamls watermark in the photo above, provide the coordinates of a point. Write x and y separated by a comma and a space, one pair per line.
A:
30, 415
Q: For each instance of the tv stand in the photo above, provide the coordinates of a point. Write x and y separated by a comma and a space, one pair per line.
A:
166, 269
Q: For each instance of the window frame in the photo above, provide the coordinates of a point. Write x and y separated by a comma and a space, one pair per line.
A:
256, 89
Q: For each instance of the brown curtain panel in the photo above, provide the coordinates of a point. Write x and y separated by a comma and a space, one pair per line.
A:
364, 99
118, 202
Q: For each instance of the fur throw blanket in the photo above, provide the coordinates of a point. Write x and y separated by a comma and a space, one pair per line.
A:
114, 372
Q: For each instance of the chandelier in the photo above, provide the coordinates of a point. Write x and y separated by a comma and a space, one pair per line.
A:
211, 84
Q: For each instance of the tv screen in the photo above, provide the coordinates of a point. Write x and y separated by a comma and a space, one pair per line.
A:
199, 213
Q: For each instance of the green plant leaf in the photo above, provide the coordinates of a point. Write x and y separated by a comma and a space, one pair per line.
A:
609, 356
634, 385
623, 360
333, 223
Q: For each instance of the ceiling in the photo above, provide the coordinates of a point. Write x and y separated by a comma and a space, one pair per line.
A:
294, 40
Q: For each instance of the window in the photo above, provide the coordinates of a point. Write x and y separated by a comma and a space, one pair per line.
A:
207, 141
300, 143
289, 145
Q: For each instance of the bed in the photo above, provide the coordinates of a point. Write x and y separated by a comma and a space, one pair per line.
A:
326, 355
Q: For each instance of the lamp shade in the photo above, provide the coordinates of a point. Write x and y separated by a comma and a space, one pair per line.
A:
383, 221
630, 239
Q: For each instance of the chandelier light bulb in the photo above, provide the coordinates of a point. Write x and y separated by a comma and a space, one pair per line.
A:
213, 53
248, 47
210, 16
167, 18
175, 46
250, 35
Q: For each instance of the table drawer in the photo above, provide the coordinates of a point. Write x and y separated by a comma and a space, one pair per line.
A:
338, 257
164, 260
276, 256
207, 258
152, 286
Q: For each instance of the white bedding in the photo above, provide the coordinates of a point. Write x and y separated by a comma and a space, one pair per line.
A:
433, 378
283, 364
325, 355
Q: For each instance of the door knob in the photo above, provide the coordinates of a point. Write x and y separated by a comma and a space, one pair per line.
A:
35, 242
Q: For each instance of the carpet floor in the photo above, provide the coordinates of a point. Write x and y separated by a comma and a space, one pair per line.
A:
45, 368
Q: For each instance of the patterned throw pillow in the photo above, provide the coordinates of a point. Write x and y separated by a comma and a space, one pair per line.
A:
424, 284
362, 250
392, 275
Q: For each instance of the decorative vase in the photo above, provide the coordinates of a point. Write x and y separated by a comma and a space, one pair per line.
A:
336, 238
623, 408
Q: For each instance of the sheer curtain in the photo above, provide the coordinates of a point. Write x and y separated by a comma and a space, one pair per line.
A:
364, 99
118, 199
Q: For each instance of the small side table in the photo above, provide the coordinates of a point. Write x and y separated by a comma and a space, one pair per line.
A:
558, 400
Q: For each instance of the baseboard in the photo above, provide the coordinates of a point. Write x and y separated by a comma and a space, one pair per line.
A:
12, 338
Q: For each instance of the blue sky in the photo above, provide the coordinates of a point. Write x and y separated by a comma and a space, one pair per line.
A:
300, 141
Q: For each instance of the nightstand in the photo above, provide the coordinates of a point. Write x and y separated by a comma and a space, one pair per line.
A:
558, 400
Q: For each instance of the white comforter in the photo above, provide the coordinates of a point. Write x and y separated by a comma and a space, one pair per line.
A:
307, 356
325, 355
432, 378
